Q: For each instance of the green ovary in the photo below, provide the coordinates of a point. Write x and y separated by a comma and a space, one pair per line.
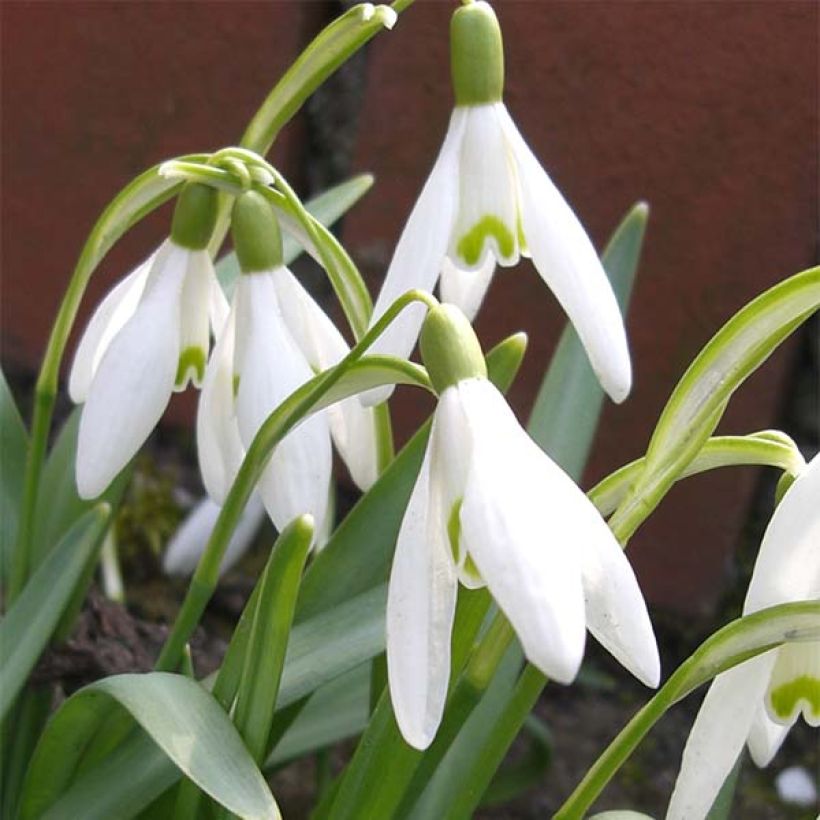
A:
192, 358
472, 243
785, 699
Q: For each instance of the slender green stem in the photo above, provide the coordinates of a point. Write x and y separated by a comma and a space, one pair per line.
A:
400, 5
284, 418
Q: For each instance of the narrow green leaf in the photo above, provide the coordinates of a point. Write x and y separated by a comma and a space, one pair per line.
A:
268, 638
58, 502
327, 208
565, 415
181, 718
697, 402
29, 624
739, 641
13, 450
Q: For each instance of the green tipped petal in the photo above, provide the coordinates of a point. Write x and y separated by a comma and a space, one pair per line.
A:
194, 217
795, 684
476, 55
470, 245
191, 365
449, 348
257, 238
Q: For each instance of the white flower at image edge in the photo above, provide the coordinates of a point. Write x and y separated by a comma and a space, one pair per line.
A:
490, 507
149, 337
489, 201
275, 338
758, 701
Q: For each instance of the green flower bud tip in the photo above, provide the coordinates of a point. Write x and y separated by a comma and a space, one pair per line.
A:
450, 349
194, 216
257, 238
476, 55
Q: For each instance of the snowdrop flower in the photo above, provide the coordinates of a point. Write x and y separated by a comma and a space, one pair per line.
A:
488, 201
758, 701
490, 507
274, 340
148, 338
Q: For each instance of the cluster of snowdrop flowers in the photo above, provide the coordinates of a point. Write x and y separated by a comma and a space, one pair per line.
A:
488, 201
758, 701
491, 508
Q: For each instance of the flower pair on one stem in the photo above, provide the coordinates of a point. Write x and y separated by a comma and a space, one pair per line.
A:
488, 201
490, 507
758, 701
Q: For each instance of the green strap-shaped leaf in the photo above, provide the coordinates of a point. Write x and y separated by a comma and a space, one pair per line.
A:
180, 717
697, 402
326, 208
29, 624
739, 641
13, 449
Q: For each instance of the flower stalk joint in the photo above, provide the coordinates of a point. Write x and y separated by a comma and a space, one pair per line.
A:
194, 217
257, 237
476, 55
449, 348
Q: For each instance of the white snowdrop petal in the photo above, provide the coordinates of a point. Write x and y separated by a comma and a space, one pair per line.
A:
352, 425
112, 313
520, 525
421, 602
197, 302
717, 737
417, 259
219, 447
567, 261
788, 563
188, 543
466, 288
765, 737
271, 368
615, 608
133, 382
794, 686
487, 217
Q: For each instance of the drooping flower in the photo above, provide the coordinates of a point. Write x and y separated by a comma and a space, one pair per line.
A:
488, 201
758, 701
275, 339
149, 337
490, 507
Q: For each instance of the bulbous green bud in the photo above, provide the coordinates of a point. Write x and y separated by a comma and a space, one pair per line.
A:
450, 349
194, 216
257, 238
476, 55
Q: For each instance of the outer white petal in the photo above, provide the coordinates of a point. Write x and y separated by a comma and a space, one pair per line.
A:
219, 447
466, 288
418, 256
788, 563
487, 217
615, 609
113, 312
188, 543
765, 737
566, 260
352, 425
717, 737
421, 602
133, 382
218, 307
522, 521
197, 302
297, 477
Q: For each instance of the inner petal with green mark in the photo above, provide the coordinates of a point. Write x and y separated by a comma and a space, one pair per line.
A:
191, 366
467, 570
795, 684
470, 245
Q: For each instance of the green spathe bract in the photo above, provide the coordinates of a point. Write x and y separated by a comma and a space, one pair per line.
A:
194, 217
476, 55
256, 235
449, 348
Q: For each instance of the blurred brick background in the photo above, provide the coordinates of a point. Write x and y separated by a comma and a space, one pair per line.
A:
707, 110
